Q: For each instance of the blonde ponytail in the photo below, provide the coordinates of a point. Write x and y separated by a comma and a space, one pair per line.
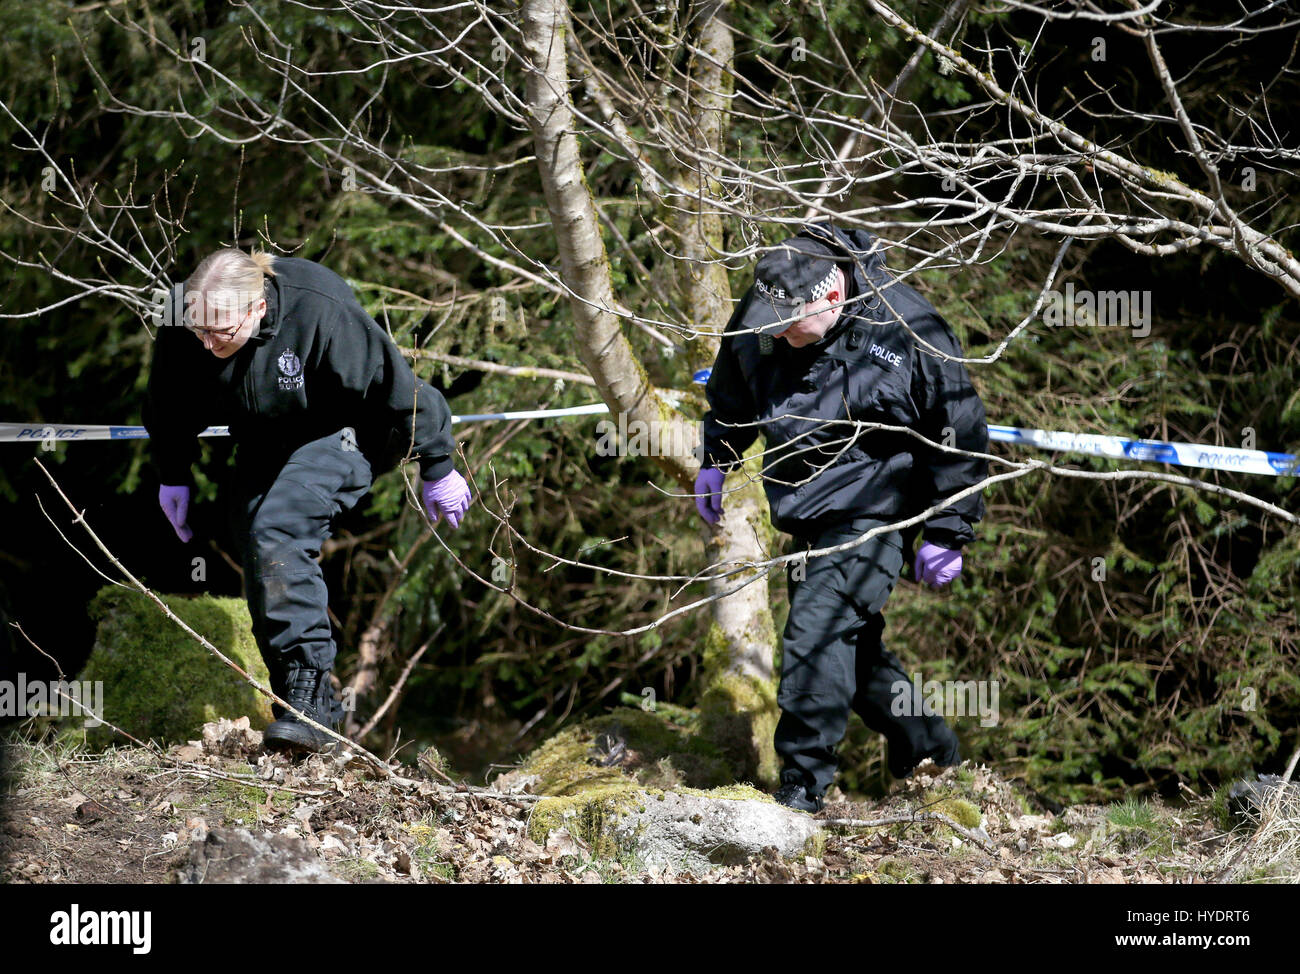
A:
230, 278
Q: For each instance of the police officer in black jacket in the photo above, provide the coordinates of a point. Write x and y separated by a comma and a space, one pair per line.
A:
319, 401
819, 344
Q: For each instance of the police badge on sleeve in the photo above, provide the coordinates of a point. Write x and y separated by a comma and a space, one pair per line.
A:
290, 376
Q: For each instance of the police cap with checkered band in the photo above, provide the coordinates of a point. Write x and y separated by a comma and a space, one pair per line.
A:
795, 272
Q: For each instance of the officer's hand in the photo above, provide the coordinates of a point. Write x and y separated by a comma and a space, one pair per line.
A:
175, 502
935, 565
449, 495
708, 494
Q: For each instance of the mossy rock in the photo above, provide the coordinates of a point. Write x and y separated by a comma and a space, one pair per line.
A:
587, 816
158, 682
632, 783
961, 811
652, 752
685, 829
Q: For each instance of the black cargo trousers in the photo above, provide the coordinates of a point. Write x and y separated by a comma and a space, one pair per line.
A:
834, 661
284, 511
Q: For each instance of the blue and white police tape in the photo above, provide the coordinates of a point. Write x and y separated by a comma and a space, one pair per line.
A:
1201, 455
56, 432
52, 432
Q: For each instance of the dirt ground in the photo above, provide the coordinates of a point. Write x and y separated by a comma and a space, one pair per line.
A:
130, 815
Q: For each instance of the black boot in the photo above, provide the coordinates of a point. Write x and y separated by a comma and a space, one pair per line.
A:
793, 793
309, 691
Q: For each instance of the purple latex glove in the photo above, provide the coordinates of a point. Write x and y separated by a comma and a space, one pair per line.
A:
708, 490
449, 495
935, 565
175, 503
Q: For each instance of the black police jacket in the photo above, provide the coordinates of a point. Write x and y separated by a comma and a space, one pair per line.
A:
818, 468
318, 364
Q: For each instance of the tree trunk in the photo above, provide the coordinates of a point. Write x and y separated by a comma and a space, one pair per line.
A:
738, 701
738, 697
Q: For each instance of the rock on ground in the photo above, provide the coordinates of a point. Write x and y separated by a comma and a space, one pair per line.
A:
237, 856
690, 831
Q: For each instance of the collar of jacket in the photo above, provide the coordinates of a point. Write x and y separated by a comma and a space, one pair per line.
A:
271, 320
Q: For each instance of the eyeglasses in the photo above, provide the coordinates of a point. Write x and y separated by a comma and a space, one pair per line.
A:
222, 334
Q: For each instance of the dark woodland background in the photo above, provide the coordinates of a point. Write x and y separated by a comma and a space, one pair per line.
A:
1143, 680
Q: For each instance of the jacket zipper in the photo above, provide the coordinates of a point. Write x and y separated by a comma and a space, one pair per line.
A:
250, 387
